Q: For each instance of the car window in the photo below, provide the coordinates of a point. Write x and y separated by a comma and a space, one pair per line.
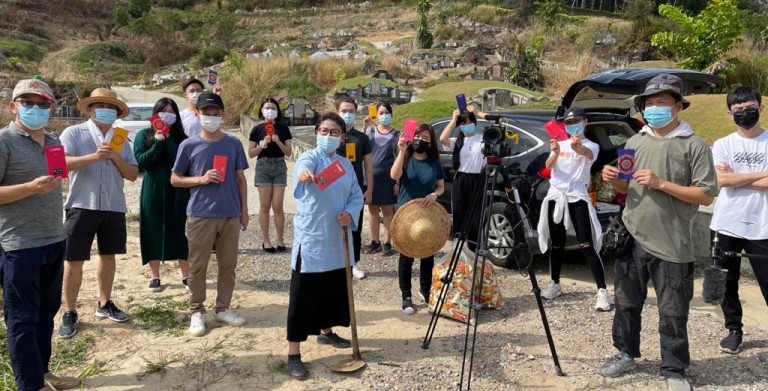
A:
609, 135
139, 114
525, 141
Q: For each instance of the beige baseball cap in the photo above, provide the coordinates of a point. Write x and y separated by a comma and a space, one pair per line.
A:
33, 86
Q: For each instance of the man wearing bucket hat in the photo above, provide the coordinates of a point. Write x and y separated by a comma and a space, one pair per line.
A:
31, 244
673, 175
95, 204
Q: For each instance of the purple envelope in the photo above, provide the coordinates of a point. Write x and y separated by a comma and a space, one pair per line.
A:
626, 163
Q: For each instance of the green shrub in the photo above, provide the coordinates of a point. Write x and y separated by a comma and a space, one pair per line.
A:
92, 58
299, 85
21, 49
210, 56
751, 70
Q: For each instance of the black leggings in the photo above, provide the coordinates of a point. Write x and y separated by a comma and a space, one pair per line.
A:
425, 277
579, 213
466, 188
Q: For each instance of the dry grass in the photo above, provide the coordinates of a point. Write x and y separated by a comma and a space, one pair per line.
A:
557, 81
6, 116
751, 67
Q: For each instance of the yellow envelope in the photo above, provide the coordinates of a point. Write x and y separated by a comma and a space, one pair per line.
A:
119, 136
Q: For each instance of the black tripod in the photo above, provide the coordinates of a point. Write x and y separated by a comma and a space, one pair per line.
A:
491, 174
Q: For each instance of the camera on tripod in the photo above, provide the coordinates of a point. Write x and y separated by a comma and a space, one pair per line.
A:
497, 142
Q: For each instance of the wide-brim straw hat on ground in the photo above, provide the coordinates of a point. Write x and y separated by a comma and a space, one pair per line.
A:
419, 231
103, 95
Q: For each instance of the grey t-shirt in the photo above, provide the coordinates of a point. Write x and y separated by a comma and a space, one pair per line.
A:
659, 222
36, 220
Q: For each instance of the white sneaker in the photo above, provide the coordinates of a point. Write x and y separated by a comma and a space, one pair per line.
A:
603, 301
197, 324
551, 291
358, 273
229, 317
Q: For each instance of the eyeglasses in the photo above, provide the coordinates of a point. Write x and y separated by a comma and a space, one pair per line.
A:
746, 110
326, 132
29, 104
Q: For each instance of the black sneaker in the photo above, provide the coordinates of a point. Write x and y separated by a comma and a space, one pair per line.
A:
372, 248
386, 250
154, 285
68, 327
408, 306
297, 370
185, 281
110, 311
334, 340
424, 296
732, 343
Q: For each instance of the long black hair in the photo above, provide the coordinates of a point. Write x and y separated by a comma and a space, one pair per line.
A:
432, 152
462, 120
176, 129
266, 100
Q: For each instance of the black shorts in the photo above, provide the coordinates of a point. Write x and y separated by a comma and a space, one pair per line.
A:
83, 224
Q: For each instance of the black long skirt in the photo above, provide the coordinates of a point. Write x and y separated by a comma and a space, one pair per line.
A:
318, 301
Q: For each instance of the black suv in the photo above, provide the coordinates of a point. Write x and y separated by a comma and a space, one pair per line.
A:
607, 98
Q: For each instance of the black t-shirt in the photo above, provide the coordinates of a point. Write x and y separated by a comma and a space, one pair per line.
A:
272, 150
359, 147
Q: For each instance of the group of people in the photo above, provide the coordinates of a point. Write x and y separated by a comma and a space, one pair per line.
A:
191, 206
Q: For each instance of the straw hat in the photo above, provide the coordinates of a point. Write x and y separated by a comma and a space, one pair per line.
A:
103, 95
419, 231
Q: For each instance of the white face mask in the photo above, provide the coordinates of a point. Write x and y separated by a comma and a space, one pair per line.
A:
210, 123
269, 114
192, 97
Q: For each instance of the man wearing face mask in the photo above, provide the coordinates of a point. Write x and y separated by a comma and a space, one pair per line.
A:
31, 244
192, 89
674, 175
739, 219
95, 204
216, 212
357, 148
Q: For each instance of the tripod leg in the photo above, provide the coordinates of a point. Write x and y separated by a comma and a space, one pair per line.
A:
537, 293
440, 299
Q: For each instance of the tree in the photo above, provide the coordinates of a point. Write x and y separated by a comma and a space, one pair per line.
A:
525, 66
339, 75
120, 16
423, 34
137, 8
703, 39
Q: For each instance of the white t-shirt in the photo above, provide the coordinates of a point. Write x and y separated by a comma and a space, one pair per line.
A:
742, 211
471, 155
571, 174
191, 125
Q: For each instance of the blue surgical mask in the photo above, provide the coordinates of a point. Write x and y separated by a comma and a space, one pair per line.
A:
385, 118
349, 118
34, 117
328, 143
575, 129
106, 116
168, 118
658, 116
468, 128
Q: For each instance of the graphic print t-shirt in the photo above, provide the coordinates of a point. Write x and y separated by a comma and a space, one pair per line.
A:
740, 210
571, 172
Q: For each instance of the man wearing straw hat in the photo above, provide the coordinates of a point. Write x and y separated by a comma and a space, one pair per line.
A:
95, 203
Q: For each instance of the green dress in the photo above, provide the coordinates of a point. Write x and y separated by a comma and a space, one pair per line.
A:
162, 207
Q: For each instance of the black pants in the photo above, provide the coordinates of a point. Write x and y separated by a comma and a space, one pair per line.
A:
673, 283
405, 264
357, 237
731, 305
466, 189
579, 212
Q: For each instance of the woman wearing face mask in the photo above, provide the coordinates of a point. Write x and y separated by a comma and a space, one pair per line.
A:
417, 168
468, 161
162, 207
318, 297
271, 142
384, 140
568, 204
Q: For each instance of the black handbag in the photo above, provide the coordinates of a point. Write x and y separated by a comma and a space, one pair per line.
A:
616, 239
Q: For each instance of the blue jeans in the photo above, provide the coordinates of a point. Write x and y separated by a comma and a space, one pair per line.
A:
31, 280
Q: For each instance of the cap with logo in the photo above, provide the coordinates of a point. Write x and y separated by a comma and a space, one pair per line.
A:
33, 86
575, 113
209, 99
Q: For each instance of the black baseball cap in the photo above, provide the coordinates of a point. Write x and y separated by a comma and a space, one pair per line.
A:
663, 82
575, 113
208, 99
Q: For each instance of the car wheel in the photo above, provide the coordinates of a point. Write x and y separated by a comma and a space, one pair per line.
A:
506, 238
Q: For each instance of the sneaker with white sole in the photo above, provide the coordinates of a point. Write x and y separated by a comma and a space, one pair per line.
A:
551, 291
603, 302
678, 384
408, 306
358, 273
197, 324
154, 285
618, 365
229, 317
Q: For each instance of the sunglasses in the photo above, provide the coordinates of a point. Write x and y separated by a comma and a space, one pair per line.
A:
30, 104
748, 111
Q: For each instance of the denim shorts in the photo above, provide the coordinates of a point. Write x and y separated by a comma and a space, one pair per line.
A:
271, 171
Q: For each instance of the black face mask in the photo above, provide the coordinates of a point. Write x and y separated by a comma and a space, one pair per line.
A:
746, 118
421, 146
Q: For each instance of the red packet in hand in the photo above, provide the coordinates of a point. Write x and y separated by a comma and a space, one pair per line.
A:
158, 125
220, 165
556, 130
269, 127
328, 175
409, 130
57, 164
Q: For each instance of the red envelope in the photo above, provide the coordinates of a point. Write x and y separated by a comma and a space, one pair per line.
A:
269, 127
409, 130
220, 165
57, 163
556, 130
328, 175
158, 125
